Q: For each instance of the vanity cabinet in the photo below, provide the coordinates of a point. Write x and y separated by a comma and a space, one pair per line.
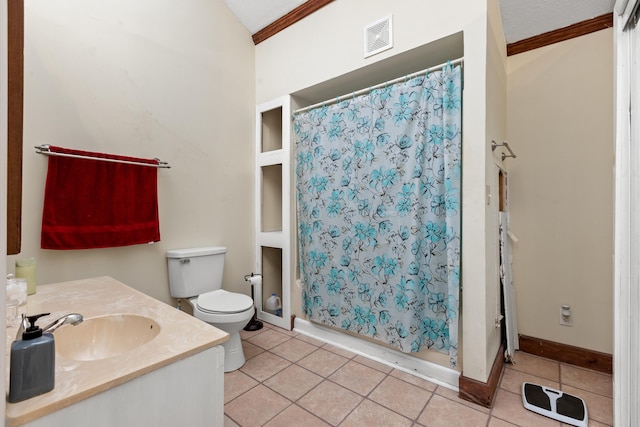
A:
188, 392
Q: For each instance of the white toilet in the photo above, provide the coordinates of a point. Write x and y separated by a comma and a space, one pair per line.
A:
196, 274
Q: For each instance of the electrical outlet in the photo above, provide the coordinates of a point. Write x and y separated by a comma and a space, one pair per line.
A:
566, 316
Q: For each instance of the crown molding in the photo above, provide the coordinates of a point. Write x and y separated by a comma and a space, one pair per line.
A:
300, 12
576, 30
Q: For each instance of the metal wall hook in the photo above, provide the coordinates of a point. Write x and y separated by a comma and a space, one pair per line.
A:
505, 144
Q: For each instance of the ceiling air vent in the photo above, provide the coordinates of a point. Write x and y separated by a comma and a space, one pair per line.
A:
378, 36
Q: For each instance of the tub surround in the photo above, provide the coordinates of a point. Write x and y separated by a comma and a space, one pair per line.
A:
180, 337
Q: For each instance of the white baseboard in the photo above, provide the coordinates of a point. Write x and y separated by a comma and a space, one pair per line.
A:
424, 369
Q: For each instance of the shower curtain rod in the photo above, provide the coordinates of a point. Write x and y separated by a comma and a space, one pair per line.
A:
390, 82
44, 149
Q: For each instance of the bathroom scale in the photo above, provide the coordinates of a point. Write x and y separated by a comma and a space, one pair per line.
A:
555, 404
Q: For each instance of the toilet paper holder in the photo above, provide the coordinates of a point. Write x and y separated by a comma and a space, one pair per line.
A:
254, 280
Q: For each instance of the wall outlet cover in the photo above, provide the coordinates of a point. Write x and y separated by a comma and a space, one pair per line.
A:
565, 320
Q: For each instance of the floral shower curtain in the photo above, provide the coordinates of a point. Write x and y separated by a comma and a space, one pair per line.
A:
378, 209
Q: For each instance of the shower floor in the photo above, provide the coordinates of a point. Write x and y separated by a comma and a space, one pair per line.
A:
290, 379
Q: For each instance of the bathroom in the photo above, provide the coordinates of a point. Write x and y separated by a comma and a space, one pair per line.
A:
182, 87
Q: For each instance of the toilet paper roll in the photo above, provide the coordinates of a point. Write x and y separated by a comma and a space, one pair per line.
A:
255, 280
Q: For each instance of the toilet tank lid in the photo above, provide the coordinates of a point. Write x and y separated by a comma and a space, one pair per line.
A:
193, 252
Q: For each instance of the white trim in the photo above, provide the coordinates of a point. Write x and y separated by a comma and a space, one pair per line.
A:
627, 225
620, 6
424, 369
626, 9
274, 239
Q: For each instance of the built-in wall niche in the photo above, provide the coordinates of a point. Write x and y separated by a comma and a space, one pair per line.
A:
272, 130
271, 274
271, 202
272, 208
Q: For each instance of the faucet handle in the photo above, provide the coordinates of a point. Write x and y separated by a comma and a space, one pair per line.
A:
24, 324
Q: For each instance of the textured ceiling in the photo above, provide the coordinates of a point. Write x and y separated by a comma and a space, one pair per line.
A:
257, 14
521, 18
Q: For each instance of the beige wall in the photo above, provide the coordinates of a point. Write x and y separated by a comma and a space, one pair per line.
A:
327, 46
173, 80
560, 124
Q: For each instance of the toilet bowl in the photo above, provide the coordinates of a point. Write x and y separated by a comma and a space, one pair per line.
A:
227, 311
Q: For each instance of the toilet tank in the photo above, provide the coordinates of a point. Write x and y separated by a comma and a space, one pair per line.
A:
195, 271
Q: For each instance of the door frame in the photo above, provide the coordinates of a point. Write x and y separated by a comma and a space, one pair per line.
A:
626, 377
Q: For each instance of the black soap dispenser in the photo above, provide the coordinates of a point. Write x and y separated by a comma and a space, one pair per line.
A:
33, 360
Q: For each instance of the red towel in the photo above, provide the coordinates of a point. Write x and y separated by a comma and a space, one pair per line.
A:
98, 204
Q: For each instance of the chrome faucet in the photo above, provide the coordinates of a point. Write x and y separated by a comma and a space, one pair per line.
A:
70, 319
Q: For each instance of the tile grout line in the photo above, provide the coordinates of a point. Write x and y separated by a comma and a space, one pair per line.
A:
259, 382
367, 397
324, 378
424, 408
327, 378
493, 403
291, 363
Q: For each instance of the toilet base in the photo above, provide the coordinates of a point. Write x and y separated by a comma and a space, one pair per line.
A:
231, 324
233, 354
253, 325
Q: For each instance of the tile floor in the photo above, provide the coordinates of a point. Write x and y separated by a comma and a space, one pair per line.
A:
290, 379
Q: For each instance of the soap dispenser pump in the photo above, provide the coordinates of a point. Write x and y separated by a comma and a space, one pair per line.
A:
32, 370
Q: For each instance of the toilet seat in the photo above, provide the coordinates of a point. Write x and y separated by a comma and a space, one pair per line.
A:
223, 302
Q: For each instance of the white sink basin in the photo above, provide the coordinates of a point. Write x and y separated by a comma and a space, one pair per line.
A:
106, 336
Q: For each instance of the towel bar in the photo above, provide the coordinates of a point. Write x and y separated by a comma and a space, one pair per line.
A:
44, 149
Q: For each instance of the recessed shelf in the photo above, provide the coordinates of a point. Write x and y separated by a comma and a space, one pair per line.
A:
271, 203
271, 273
271, 130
